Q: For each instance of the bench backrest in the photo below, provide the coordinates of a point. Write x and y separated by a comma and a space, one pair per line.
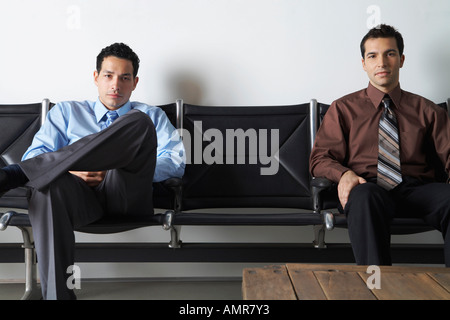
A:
435, 162
19, 123
247, 156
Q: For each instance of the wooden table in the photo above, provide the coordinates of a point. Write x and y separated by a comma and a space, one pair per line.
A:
344, 282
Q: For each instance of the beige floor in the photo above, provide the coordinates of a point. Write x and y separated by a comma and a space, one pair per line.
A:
144, 290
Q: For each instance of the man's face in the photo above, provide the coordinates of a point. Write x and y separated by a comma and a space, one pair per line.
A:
115, 82
382, 62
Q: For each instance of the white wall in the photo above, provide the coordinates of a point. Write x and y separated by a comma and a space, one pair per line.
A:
233, 52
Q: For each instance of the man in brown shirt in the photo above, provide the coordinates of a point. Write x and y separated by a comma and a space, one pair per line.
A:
346, 152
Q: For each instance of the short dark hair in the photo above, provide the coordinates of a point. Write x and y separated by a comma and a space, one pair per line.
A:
119, 50
383, 31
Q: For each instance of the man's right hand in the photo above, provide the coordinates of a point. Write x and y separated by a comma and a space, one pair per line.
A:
92, 178
348, 181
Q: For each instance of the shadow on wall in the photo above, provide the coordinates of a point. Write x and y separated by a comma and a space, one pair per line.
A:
437, 67
441, 68
187, 87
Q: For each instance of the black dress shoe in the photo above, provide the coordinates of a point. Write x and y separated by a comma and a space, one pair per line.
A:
11, 177
4, 188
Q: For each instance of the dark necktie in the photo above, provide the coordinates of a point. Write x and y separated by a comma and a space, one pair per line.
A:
111, 116
389, 174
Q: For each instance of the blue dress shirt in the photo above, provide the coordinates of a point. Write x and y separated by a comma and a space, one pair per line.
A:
70, 121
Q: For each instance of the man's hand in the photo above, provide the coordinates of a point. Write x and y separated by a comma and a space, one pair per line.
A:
348, 181
92, 178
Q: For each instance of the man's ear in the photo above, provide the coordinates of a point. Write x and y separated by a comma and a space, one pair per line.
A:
96, 77
136, 80
402, 60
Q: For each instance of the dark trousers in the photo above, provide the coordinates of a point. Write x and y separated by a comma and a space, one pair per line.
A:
60, 202
370, 210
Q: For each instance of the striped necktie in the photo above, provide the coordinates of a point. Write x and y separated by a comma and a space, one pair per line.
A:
111, 116
389, 174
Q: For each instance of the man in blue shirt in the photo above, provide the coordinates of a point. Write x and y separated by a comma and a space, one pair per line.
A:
91, 159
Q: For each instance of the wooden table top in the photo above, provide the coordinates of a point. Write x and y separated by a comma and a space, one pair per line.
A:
345, 282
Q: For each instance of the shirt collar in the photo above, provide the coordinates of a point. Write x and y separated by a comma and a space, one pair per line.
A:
100, 110
376, 95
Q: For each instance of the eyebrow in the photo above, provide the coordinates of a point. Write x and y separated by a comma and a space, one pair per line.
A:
111, 72
387, 51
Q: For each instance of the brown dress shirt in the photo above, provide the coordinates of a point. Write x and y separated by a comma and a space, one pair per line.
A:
348, 137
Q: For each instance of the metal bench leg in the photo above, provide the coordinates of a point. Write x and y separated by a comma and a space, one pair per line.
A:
319, 237
32, 290
319, 230
175, 241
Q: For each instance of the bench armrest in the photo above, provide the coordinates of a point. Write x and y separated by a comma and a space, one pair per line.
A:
319, 184
13, 218
172, 182
175, 184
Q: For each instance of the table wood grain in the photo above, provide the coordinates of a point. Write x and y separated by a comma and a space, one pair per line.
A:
344, 282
